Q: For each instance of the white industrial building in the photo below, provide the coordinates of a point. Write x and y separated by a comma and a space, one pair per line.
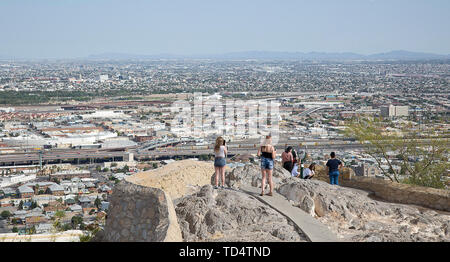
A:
103, 78
7, 181
394, 111
106, 114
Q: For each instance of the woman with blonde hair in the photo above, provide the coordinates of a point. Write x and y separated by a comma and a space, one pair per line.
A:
267, 153
220, 152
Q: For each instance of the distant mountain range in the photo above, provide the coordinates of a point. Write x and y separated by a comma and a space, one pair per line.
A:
263, 55
266, 55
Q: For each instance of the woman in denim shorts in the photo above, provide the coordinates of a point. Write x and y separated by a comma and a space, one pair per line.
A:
267, 153
220, 152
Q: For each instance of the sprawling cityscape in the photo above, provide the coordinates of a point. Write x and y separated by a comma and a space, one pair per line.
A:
71, 130
232, 122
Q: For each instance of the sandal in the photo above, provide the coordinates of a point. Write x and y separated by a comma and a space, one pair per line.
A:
262, 194
270, 194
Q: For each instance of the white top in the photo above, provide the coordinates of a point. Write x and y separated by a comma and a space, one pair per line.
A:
221, 152
307, 172
295, 170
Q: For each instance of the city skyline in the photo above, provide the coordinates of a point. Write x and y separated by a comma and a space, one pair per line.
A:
78, 29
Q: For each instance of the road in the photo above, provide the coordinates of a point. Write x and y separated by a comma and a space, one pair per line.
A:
82, 154
158, 153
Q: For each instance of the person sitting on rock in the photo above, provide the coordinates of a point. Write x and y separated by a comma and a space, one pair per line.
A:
295, 172
333, 166
286, 158
267, 152
310, 171
220, 152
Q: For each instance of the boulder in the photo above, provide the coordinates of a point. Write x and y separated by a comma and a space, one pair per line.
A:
307, 205
140, 214
229, 215
355, 216
250, 175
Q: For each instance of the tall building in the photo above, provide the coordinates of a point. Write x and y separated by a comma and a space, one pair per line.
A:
103, 78
394, 111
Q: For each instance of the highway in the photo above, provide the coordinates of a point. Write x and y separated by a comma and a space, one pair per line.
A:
183, 150
31, 157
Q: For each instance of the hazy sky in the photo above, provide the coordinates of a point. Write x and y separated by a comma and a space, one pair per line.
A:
77, 28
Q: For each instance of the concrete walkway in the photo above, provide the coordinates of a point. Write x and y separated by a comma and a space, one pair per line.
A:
313, 229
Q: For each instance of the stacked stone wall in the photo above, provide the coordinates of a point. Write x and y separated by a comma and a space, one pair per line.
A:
393, 192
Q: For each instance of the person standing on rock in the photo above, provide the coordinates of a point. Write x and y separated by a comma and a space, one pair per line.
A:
333, 166
287, 158
294, 157
220, 152
267, 153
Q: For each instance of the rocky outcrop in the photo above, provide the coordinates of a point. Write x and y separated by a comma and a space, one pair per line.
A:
250, 175
393, 192
229, 215
177, 179
402, 193
355, 216
140, 214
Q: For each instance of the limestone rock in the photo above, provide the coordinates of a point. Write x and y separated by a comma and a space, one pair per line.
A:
140, 214
229, 215
355, 216
307, 205
250, 175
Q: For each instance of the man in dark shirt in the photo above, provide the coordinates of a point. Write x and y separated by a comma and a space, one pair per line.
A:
333, 166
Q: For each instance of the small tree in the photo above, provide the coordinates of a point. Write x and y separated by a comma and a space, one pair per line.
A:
97, 202
422, 156
60, 214
6, 214
75, 221
20, 207
66, 227
57, 225
33, 205
31, 230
